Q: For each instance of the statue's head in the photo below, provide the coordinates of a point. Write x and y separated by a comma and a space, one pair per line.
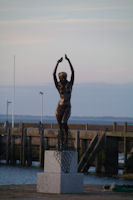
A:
62, 76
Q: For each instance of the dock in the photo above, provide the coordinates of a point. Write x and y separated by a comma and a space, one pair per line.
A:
97, 145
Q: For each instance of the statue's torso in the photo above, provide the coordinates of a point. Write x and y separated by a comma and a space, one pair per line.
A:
65, 93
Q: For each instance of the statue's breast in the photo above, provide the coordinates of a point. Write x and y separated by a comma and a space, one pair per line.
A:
66, 89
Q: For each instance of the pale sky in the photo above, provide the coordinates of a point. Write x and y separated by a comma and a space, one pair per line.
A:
97, 36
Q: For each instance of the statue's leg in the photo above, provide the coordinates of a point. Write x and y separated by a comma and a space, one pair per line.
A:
59, 115
65, 135
65, 118
59, 141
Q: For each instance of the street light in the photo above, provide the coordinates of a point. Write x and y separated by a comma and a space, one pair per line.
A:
7, 105
41, 93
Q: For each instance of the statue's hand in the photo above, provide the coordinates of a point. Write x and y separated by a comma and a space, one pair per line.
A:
60, 60
66, 57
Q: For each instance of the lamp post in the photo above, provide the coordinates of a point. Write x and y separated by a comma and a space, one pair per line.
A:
7, 105
41, 93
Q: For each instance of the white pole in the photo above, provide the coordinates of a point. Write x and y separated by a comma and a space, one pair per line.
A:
42, 108
8, 102
13, 101
7, 110
41, 93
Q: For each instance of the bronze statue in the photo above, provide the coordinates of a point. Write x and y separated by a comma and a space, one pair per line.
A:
64, 88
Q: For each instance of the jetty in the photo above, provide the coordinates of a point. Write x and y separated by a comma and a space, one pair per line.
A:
97, 145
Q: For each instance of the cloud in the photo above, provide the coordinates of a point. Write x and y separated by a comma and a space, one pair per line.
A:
91, 21
21, 22
64, 21
102, 8
24, 32
64, 8
24, 41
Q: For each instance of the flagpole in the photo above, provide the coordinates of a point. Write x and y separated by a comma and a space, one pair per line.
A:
13, 96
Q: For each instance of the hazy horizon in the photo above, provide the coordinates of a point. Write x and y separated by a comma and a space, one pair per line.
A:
72, 120
90, 99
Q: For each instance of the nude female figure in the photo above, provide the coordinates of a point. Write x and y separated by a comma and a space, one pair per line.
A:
64, 88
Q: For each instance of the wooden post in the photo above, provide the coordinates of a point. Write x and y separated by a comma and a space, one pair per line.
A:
51, 125
77, 143
114, 127
46, 143
23, 146
84, 145
13, 158
111, 156
8, 146
41, 154
29, 151
1, 150
86, 126
125, 145
7, 126
100, 160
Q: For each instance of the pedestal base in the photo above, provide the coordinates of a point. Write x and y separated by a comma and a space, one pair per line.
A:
60, 173
60, 183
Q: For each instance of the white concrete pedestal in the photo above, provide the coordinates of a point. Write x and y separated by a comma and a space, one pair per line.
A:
60, 173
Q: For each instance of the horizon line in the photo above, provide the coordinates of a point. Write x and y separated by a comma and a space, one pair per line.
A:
77, 83
78, 116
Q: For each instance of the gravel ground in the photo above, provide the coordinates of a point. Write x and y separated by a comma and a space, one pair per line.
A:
91, 192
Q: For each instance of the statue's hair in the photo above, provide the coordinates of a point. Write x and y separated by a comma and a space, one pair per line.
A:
62, 74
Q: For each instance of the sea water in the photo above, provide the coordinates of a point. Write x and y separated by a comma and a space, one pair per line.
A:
28, 175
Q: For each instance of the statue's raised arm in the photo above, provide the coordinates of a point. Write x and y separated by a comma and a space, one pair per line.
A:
72, 70
54, 73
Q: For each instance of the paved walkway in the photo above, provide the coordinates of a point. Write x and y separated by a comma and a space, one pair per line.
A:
91, 192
